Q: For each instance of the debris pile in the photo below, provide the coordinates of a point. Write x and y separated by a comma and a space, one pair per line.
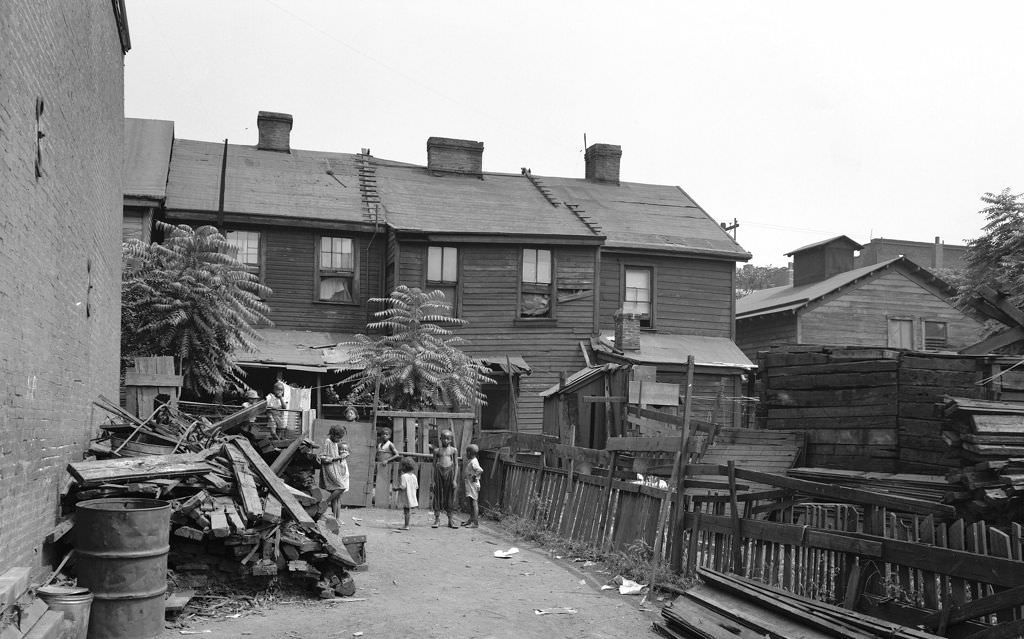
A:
234, 515
989, 490
982, 430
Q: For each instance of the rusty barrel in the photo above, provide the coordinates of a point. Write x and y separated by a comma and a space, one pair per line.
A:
121, 546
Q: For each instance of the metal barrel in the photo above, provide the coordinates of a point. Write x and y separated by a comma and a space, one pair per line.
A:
121, 546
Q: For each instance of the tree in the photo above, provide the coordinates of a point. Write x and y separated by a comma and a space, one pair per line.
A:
189, 297
996, 258
416, 362
752, 278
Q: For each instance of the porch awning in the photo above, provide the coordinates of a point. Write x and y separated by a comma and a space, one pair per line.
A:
580, 378
513, 364
300, 351
661, 349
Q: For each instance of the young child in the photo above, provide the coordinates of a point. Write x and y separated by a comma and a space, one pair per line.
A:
407, 487
446, 478
471, 476
276, 404
334, 467
387, 452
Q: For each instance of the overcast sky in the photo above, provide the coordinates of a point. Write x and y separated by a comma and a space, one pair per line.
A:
800, 120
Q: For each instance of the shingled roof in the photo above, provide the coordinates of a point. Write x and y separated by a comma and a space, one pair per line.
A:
312, 185
648, 217
147, 154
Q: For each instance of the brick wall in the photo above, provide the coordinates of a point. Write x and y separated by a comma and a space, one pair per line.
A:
59, 251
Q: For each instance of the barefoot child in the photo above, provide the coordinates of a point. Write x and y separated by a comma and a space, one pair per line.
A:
407, 487
446, 478
334, 467
387, 452
471, 476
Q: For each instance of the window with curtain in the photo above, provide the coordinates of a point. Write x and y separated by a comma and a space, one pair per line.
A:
535, 289
443, 273
638, 294
245, 246
336, 270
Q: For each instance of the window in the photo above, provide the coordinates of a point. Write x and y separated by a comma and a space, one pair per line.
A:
443, 273
901, 332
246, 248
337, 270
535, 298
935, 335
637, 295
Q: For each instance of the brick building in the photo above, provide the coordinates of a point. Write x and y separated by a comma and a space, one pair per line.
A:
61, 136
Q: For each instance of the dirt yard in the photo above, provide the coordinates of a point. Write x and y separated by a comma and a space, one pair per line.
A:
446, 583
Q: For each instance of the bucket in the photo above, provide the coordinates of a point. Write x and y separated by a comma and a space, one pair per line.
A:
74, 602
121, 546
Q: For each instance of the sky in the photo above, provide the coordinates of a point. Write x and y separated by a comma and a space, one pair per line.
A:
798, 120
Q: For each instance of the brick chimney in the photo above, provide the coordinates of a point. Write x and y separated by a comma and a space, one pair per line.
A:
821, 260
603, 162
937, 261
448, 155
627, 331
275, 131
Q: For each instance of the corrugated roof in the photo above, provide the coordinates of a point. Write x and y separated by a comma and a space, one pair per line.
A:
788, 298
418, 200
268, 183
647, 217
147, 155
656, 348
300, 350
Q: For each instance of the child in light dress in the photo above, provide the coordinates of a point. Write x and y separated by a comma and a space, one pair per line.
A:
407, 487
471, 481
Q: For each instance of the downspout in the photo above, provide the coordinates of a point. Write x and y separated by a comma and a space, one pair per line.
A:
223, 180
597, 291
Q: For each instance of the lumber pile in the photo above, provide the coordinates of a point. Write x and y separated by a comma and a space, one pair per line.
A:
926, 487
726, 606
233, 516
983, 430
989, 490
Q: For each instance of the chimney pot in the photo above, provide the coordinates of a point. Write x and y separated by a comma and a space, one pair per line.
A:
627, 331
450, 155
603, 162
275, 131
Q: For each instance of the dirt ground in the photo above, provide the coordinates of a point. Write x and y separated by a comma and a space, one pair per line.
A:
441, 582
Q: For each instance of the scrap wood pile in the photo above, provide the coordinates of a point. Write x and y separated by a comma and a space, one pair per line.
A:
727, 606
983, 430
233, 516
927, 487
989, 490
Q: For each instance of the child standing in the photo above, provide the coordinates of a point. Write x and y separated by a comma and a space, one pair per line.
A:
446, 478
334, 467
407, 487
471, 476
387, 452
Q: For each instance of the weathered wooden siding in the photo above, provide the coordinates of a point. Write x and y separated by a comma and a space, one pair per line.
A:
761, 333
859, 317
489, 280
691, 296
289, 269
137, 223
715, 397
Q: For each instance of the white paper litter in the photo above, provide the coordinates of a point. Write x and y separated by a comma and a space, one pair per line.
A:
628, 587
505, 554
554, 611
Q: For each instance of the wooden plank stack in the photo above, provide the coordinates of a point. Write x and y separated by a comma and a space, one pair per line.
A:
730, 607
927, 487
232, 516
989, 490
981, 430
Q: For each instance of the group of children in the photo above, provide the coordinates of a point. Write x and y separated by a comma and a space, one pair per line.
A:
445, 489
444, 493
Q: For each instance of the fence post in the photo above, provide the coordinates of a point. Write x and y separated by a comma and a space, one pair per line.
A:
677, 557
608, 501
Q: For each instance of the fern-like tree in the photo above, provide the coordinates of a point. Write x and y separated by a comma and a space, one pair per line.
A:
416, 362
191, 298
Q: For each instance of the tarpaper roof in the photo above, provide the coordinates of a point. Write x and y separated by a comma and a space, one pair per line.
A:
147, 154
265, 183
657, 348
300, 350
580, 378
839, 238
647, 217
419, 200
789, 298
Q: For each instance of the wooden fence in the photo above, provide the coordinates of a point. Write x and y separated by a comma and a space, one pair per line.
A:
856, 549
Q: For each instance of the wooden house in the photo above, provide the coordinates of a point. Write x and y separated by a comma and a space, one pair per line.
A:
894, 304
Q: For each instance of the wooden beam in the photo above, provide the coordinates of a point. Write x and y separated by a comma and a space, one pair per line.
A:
600, 399
135, 378
275, 484
985, 606
252, 505
92, 473
677, 557
424, 414
668, 418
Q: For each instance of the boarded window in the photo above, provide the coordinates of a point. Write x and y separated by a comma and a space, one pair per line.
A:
638, 295
936, 337
535, 287
245, 246
337, 270
443, 272
901, 333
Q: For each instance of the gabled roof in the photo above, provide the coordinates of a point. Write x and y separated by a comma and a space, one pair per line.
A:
147, 155
832, 240
301, 184
791, 298
416, 199
647, 217
657, 348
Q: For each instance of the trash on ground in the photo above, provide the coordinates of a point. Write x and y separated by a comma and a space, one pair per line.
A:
195, 632
505, 554
588, 564
554, 611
